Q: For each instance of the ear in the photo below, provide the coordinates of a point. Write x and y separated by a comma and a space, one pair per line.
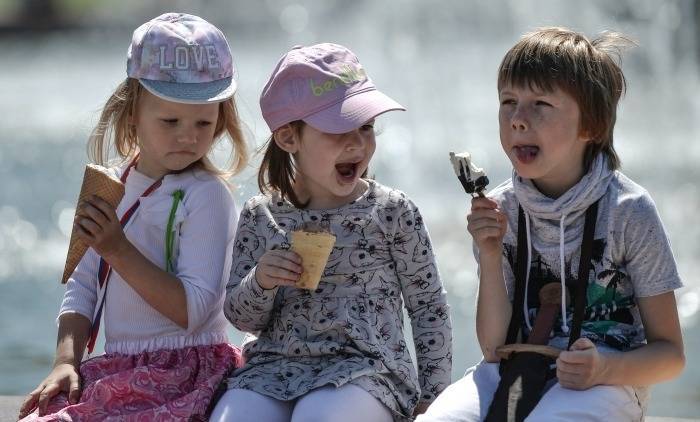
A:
287, 139
585, 136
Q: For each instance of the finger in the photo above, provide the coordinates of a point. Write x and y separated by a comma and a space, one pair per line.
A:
485, 213
281, 273
484, 203
90, 226
104, 207
288, 255
569, 380
74, 389
582, 344
83, 234
567, 384
284, 282
29, 403
576, 357
566, 368
492, 220
45, 396
94, 213
284, 262
276, 282
487, 233
484, 223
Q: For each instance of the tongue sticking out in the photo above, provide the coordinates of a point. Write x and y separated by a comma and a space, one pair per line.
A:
526, 154
346, 169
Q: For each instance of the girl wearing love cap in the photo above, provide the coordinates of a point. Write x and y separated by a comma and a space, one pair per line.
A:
159, 262
336, 353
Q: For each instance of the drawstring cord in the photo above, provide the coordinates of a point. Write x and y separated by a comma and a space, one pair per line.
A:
564, 326
170, 233
526, 311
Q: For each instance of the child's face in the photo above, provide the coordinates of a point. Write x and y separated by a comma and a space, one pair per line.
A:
330, 166
172, 135
540, 133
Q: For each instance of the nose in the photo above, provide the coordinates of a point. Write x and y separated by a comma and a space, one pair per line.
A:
188, 135
354, 140
518, 120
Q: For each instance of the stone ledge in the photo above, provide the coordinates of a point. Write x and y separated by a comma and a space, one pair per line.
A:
9, 405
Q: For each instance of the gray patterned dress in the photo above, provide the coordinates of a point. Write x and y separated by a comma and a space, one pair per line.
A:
350, 330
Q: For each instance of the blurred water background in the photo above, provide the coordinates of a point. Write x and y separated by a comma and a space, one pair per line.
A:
61, 59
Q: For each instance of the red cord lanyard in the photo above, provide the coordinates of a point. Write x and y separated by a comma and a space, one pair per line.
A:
104, 269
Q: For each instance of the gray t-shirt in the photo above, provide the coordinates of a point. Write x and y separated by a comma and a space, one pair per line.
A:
632, 258
351, 328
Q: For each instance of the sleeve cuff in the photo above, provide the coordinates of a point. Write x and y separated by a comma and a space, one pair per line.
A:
257, 293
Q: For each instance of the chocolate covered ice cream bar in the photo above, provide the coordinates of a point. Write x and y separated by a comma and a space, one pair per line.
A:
473, 179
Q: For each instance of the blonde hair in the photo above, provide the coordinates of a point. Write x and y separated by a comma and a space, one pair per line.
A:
588, 70
115, 129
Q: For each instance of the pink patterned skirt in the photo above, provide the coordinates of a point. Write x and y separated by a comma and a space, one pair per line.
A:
163, 385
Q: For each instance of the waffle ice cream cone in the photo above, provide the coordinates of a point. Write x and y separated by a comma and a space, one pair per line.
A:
96, 181
314, 248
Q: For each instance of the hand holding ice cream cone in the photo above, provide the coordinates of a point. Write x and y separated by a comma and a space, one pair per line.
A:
301, 266
96, 182
278, 267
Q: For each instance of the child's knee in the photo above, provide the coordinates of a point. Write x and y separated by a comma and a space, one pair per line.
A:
602, 402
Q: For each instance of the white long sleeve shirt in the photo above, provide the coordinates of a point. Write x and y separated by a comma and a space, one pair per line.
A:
205, 224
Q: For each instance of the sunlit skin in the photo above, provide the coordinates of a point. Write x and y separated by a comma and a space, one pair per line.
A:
541, 135
172, 136
318, 156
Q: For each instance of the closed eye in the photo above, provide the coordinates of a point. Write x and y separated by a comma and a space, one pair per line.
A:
203, 123
169, 121
542, 103
507, 101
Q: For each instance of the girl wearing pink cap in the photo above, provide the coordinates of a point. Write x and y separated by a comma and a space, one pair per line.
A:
336, 353
158, 263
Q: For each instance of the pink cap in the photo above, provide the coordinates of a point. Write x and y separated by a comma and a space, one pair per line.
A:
182, 58
325, 86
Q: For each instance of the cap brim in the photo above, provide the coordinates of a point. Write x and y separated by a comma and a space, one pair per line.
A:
352, 112
192, 93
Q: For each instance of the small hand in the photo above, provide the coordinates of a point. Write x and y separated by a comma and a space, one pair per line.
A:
581, 367
278, 268
487, 225
421, 408
98, 225
63, 377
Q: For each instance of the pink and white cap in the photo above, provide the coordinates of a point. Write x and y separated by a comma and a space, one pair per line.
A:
325, 86
182, 58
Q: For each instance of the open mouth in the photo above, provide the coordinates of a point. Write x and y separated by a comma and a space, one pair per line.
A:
347, 171
526, 153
